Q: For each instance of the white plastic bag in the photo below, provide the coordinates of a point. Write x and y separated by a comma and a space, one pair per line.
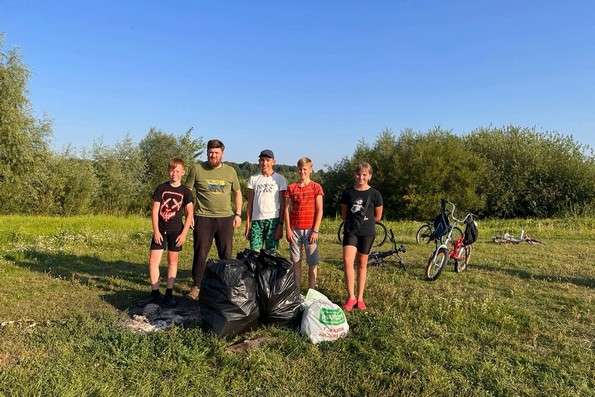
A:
322, 319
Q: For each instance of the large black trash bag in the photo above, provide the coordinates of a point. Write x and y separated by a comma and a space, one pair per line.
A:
250, 257
278, 295
228, 304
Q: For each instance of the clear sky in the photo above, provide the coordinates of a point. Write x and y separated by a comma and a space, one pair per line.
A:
304, 77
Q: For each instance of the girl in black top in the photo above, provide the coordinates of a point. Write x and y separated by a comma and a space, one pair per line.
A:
361, 208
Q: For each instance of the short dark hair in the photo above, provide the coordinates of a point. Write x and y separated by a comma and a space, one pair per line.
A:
215, 144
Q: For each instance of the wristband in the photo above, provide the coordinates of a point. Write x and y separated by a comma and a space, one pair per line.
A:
238, 215
314, 231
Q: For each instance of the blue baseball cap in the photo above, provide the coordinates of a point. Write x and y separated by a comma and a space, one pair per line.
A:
266, 153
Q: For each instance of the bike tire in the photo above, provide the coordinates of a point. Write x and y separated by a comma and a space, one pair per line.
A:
381, 234
436, 264
379, 239
340, 232
461, 264
423, 233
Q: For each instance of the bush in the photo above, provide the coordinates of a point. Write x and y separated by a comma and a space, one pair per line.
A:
533, 174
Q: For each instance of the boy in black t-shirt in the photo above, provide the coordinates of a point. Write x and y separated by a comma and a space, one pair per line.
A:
170, 200
361, 208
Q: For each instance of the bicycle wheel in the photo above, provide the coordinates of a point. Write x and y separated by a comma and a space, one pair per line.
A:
380, 231
457, 234
340, 233
423, 233
436, 263
461, 264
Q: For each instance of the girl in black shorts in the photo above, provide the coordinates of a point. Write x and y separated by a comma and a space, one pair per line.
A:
361, 208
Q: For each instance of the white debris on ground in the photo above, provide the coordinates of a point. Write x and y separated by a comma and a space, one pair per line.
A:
142, 324
151, 317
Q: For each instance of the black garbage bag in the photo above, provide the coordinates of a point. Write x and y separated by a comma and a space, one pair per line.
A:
250, 257
227, 302
278, 295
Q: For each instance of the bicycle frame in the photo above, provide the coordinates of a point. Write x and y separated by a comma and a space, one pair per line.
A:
453, 253
377, 258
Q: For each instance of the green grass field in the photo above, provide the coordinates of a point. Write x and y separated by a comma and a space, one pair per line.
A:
519, 321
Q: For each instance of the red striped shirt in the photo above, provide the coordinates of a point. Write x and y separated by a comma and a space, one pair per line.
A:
303, 204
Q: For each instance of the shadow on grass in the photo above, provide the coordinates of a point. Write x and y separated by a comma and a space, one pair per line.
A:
112, 277
526, 275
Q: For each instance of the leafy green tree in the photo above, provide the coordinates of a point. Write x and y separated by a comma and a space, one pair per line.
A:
120, 171
24, 144
413, 171
533, 173
334, 180
157, 148
437, 165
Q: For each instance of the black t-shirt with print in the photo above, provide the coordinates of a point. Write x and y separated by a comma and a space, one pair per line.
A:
355, 201
173, 201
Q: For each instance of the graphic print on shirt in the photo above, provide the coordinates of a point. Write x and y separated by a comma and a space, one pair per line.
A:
265, 188
358, 207
216, 185
171, 203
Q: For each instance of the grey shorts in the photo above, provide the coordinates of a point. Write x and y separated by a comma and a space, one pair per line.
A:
300, 238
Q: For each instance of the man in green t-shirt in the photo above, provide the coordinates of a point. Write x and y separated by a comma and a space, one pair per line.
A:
214, 185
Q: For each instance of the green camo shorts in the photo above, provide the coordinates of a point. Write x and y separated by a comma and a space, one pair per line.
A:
262, 234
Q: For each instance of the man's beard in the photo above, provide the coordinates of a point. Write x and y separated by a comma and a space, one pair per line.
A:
214, 163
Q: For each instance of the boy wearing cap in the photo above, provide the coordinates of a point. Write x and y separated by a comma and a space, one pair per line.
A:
266, 204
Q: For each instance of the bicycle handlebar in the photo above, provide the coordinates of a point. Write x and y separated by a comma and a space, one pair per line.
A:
452, 212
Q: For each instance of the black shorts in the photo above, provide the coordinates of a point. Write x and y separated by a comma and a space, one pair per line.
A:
363, 243
168, 243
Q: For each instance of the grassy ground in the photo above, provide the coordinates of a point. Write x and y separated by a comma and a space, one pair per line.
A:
519, 321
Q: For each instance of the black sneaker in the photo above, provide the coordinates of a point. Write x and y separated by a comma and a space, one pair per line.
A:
155, 296
169, 301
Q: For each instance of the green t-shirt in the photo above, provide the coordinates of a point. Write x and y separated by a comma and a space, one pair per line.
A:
212, 189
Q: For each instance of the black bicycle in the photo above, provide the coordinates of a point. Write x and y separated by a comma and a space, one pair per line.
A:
379, 258
380, 231
425, 231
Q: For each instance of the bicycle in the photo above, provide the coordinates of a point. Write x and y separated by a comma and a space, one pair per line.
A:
424, 233
510, 239
379, 258
380, 231
448, 247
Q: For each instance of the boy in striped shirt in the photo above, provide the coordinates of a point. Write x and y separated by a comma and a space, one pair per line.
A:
303, 214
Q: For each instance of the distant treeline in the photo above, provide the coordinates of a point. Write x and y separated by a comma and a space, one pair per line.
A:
495, 172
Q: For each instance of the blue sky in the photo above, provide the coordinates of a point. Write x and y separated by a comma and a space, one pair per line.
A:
304, 77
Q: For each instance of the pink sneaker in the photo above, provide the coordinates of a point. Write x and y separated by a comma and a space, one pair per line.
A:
361, 305
349, 303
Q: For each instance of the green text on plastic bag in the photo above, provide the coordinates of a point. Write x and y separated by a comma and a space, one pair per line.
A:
329, 316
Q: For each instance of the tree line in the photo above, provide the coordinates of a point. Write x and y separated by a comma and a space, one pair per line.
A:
502, 172
508, 171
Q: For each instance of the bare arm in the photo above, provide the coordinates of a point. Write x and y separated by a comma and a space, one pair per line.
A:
187, 223
288, 234
249, 212
378, 213
157, 237
317, 219
237, 199
279, 231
